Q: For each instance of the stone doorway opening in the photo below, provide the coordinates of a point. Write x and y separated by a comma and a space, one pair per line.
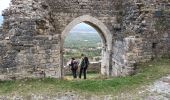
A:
83, 39
105, 35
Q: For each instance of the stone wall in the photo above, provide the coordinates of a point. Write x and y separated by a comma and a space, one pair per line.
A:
31, 49
31, 39
64, 13
149, 38
144, 34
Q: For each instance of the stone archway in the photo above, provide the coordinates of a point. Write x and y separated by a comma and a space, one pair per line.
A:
33, 36
105, 35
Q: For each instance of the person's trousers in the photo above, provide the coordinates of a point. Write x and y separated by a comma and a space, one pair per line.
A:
83, 70
74, 72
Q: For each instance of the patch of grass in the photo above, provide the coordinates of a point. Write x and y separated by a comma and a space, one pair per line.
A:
147, 73
90, 75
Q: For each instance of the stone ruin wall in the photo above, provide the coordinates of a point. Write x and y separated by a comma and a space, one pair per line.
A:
31, 34
141, 40
30, 47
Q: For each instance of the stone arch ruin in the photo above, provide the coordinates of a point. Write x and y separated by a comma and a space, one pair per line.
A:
32, 34
104, 34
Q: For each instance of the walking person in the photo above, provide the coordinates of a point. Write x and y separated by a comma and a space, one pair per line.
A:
74, 67
83, 65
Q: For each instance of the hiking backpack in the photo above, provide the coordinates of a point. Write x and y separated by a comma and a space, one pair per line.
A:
75, 64
86, 61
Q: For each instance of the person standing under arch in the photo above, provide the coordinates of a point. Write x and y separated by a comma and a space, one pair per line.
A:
74, 67
83, 65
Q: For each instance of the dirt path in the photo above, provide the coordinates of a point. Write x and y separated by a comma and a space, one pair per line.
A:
160, 90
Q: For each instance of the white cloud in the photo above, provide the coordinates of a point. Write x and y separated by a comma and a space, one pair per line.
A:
3, 5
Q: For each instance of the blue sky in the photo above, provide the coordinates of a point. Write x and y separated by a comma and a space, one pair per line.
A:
1, 20
82, 27
3, 5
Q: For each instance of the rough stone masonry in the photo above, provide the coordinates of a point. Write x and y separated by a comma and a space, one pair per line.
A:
33, 32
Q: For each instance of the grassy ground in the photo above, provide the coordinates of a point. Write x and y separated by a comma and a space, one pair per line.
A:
90, 76
147, 73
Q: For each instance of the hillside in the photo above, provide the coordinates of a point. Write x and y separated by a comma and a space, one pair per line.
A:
82, 39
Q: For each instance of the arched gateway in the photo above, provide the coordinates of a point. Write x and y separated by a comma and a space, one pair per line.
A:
33, 31
33, 47
103, 32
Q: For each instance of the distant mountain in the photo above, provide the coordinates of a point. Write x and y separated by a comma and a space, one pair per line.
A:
83, 28
83, 32
82, 36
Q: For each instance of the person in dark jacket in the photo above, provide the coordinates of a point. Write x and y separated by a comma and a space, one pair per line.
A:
74, 67
83, 65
